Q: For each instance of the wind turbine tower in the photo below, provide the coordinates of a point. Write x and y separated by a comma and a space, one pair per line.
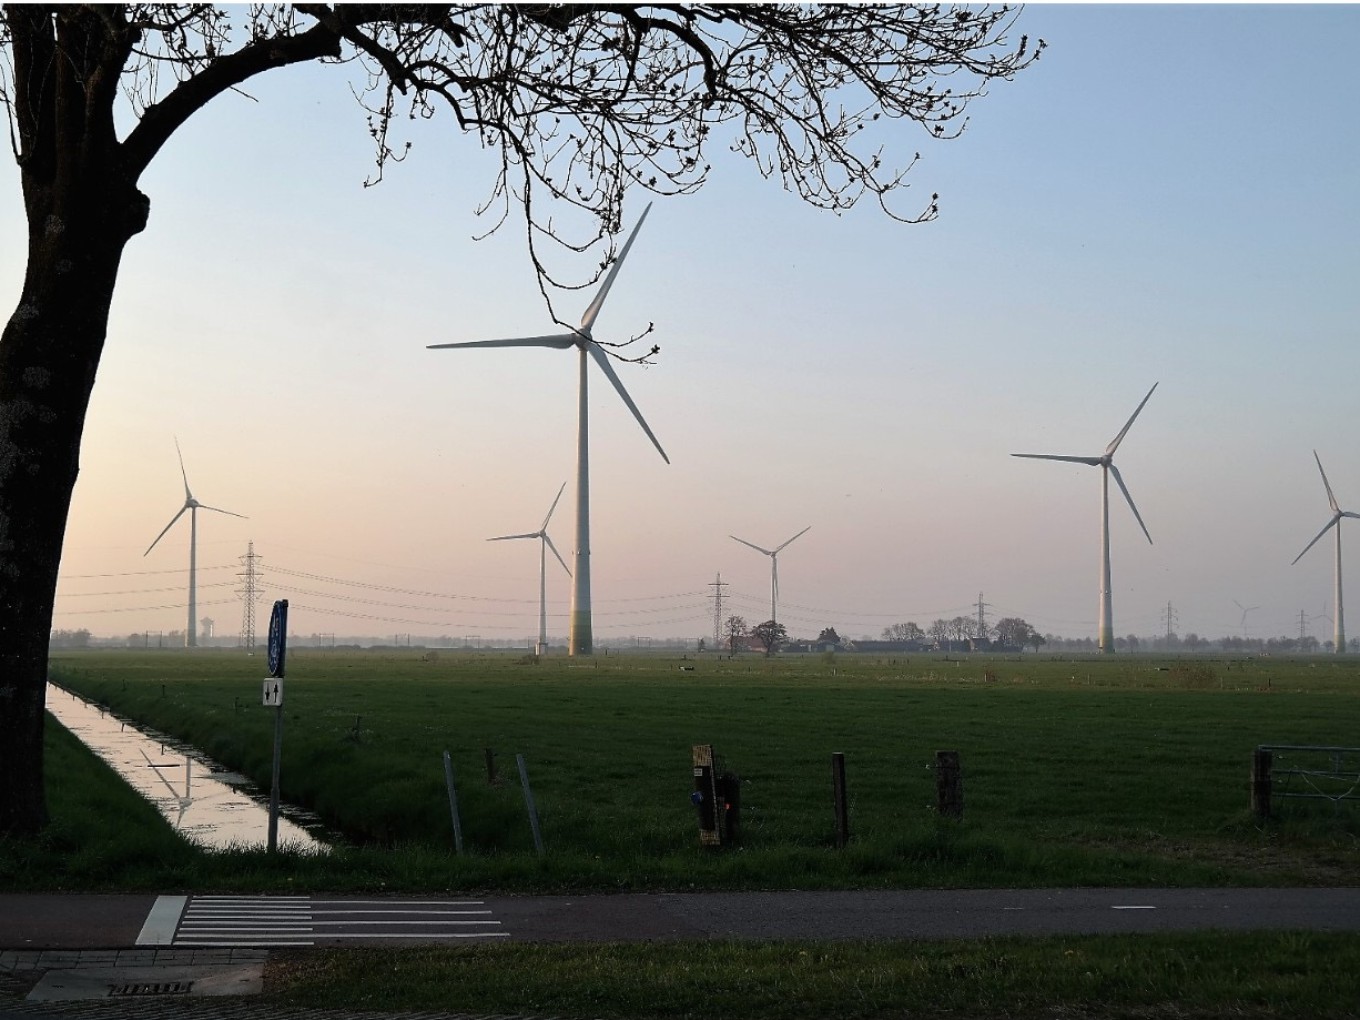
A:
544, 544
1339, 622
773, 554
193, 506
1105, 462
581, 640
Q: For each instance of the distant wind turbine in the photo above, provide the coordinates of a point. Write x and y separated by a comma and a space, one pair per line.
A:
1106, 464
773, 554
581, 639
193, 506
544, 544
1339, 624
1245, 611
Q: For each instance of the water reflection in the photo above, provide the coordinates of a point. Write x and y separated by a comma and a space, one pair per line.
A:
202, 804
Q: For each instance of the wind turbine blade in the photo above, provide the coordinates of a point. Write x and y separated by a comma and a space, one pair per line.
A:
556, 553
799, 535
1315, 539
544, 526
560, 341
182, 473
602, 360
751, 544
506, 538
1326, 484
1125, 490
1093, 461
1114, 444
588, 320
219, 510
167, 528
1347, 513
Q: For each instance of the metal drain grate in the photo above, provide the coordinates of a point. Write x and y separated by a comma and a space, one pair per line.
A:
151, 988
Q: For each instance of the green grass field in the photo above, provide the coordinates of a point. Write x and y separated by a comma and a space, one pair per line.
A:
1125, 771
1131, 771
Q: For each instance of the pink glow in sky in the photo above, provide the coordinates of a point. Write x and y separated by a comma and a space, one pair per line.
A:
1168, 196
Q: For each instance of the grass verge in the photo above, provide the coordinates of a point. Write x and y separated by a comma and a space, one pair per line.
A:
102, 834
1143, 976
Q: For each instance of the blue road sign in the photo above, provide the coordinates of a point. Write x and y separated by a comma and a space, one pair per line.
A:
278, 637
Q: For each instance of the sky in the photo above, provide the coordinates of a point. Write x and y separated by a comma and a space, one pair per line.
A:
1168, 196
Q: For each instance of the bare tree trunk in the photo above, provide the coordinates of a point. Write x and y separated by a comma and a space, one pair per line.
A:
82, 209
48, 356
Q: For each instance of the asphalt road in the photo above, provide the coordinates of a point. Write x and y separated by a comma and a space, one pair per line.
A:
80, 921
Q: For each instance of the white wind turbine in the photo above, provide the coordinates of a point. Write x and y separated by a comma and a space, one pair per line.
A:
1106, 463
773, 554
581, 640
1339, 624
1245, 611
193, 506
544, 544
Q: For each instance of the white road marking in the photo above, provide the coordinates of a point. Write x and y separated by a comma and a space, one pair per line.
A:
159, 928
1134, 907
293, 921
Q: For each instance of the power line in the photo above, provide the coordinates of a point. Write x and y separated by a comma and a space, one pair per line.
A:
140, 573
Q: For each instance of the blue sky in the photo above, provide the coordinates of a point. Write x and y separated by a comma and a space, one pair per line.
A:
1167, 196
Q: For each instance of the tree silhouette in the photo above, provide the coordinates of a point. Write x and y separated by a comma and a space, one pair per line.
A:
771, 635
582, 103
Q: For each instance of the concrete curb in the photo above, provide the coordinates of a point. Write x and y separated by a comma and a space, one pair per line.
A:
74, 985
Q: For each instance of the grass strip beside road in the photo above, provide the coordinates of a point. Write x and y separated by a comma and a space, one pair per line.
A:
103, 834
1143, 976
1084, 772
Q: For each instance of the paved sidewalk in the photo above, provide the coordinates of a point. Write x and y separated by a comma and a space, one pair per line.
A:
24, 972
21, 960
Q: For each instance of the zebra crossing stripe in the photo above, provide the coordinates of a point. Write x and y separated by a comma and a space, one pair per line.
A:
160, 924
270, 921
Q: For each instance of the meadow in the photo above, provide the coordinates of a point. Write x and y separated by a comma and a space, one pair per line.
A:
1126, 771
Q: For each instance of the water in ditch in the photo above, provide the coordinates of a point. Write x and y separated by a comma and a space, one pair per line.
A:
208, 805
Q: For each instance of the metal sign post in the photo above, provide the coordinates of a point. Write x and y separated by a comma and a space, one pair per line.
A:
273, 696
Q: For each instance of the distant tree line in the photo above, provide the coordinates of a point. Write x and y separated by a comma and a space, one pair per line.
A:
962, 632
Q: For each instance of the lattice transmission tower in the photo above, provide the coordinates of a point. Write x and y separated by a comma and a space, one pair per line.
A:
718, 596
251, 594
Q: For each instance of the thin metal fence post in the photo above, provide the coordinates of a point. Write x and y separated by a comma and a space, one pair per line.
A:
529, 803
453, 805
948, 784
839, 799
